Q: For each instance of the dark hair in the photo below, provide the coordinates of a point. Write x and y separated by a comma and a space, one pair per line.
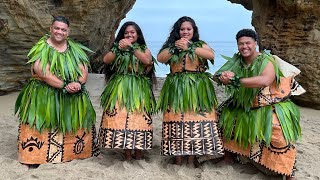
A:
175, 31
61, 19
248, 33
123, 28
108, 70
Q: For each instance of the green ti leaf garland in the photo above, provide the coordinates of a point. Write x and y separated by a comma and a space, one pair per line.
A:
65, 65
184, 92
178, 54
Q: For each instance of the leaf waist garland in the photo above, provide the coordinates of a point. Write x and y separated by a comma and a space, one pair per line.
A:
183, 92
125, 61
244, 97
65, 64
178, 54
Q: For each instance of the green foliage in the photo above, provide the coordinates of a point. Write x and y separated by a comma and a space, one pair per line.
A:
243, 97
64, 65
125, 61
246, 125
187, 92
134, 92
178, 54
46, 107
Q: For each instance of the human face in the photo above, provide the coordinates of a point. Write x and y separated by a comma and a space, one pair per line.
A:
186, 30
131, 34
247, 47
59, 32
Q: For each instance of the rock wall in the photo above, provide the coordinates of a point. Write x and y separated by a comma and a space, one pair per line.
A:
23, 22
291, 30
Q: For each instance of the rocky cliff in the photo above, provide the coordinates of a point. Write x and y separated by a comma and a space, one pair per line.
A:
291, 30
23, 22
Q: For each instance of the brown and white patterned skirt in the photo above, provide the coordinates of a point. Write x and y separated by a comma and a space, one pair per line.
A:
191, 134
123, 130
54, 147
279, 157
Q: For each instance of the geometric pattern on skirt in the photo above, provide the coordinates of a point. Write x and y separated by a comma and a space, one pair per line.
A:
123, 130
191, 137
279, 157
110, 138
54, 147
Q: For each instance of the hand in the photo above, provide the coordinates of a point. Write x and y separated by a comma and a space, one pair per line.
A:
182, 44
226, 77
73, 87
124, 44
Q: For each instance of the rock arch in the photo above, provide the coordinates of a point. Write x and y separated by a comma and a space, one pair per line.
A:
289, 28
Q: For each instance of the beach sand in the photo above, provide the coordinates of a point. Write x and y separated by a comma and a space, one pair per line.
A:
153, 166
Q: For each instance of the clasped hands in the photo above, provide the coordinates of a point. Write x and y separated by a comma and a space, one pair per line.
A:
226, 77
124, 44
182, 44
73, 87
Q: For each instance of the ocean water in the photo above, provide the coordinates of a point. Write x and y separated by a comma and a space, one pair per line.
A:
227, 48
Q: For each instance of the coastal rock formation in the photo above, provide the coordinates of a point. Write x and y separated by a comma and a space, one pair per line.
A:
291, 30
23, 22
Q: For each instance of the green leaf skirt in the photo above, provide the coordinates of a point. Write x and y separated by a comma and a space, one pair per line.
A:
246, 127
45, 107
132, 91
187, 92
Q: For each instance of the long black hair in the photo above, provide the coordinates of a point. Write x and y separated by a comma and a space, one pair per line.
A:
175, 31
140, 40
123, 28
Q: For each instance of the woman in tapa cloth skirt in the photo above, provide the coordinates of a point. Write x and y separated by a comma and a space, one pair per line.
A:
127, 99
187, 98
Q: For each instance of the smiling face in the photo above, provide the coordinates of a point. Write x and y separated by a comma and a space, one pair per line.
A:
59, 32
131, 34
247, 48
186, 30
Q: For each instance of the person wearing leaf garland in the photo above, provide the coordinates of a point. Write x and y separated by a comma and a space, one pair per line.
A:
259, 121
127, 99
187, 98
56, 115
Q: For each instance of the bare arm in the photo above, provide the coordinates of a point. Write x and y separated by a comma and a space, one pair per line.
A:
84, 69
205, 52
266, 78
164, 56
109, 57
47, 77
144, 57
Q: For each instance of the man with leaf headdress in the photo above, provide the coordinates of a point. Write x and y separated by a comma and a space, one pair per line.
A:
56, 115
259, 121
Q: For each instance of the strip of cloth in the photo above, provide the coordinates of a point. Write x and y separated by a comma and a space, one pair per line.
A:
54, 147
279, 157
121, 129
191, 134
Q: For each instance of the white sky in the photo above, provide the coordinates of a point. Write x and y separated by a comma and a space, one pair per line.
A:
217, 20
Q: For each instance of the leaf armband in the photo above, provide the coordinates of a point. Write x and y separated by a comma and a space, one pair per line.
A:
134, 47
235, 82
